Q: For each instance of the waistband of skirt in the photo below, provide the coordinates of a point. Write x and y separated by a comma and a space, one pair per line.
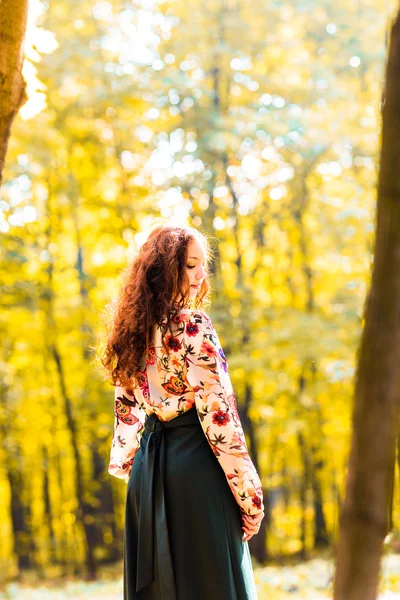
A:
189, 417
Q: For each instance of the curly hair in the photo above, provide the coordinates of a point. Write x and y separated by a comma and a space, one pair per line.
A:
155, 288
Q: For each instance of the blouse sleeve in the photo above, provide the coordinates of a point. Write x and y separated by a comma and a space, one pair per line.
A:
207, 374
128, 422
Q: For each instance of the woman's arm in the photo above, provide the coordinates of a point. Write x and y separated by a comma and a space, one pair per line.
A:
128, 422
207, 374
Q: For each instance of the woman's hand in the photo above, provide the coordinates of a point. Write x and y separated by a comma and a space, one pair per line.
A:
251, 525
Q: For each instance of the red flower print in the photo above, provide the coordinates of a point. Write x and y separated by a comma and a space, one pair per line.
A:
128, 464
221, 418
192, 329
142, 378
143, 384
207, 348
175, 386
185, 314
173, 343
181, 317
150, 355
256, 501
123, 413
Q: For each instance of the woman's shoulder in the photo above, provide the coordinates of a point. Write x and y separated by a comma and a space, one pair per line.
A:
192, 322
195, 315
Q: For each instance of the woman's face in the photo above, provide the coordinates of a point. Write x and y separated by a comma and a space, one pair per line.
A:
195, 266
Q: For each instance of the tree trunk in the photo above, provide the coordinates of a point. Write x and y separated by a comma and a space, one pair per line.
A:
398, 456
321, 538
304, 486
100, 501
13, 17
364, 518
108, 535
48, 512
285, 485
83, 508
83, 511
63, 552
257, 544
20, 515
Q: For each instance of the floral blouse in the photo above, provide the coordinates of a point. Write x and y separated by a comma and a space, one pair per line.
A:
193, 374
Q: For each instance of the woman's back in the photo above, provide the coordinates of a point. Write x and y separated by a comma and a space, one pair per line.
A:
168, 386
193, 372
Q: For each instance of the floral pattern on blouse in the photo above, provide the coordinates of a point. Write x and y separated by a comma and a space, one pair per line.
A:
193, 374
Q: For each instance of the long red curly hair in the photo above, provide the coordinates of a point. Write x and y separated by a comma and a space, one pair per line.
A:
155, 288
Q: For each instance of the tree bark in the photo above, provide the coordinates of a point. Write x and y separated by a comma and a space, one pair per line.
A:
304, 486
13, 17
257, 544
83, 511
48, 511
285, 485
321, 537
20, 515
100, 499
107, 534
364, 518
83, 508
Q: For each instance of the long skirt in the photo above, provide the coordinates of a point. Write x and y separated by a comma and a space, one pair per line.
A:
183, 537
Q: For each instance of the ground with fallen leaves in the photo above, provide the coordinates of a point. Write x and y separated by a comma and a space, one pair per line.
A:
310, 580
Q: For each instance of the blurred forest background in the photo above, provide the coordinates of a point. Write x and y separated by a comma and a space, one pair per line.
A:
257, 123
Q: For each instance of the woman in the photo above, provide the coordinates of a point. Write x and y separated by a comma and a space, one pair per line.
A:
187, 520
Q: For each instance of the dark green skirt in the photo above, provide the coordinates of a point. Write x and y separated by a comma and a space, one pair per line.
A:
183, 537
